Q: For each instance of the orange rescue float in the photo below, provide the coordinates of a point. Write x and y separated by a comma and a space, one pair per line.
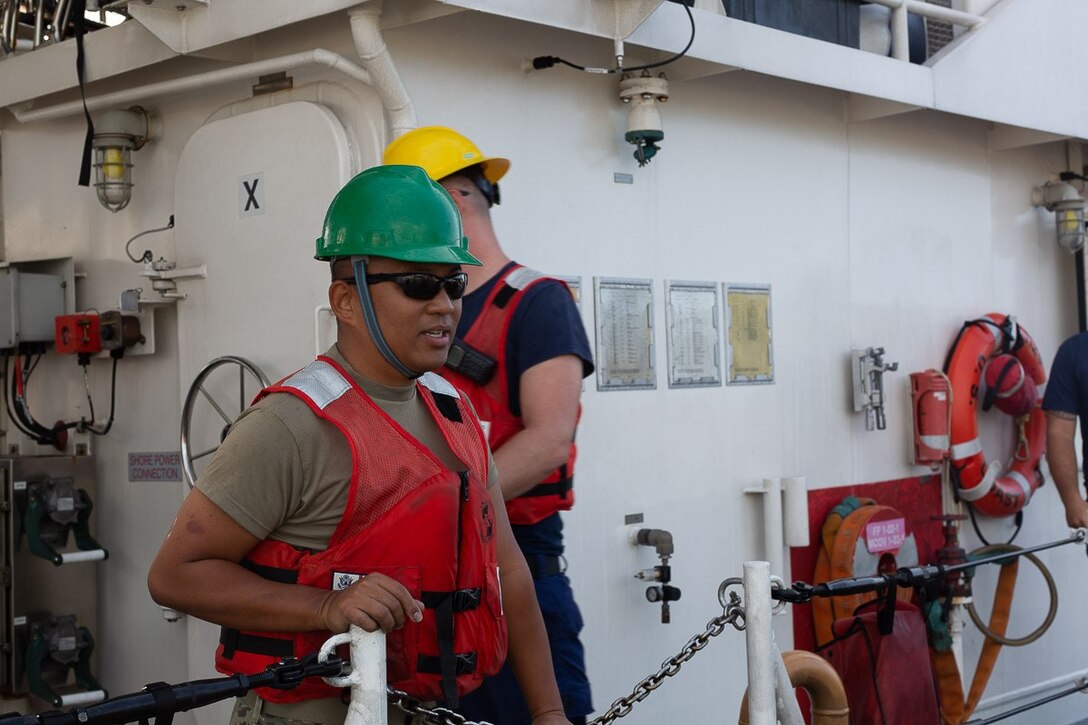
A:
981, 484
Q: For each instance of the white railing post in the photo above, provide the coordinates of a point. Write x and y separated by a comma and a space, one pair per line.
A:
771, 698
759, 637
369, 703
900, 33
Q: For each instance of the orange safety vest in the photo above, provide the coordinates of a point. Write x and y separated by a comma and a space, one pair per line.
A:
407, 516
488, 335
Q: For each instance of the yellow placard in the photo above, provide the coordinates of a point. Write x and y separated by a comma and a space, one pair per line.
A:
750, 335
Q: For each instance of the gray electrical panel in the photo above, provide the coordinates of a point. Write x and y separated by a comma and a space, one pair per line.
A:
49, 609
29, 305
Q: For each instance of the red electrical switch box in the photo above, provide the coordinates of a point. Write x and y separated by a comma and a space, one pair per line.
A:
79, 334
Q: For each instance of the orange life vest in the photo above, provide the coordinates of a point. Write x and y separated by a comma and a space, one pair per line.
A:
487, 336
407, 516
988, 490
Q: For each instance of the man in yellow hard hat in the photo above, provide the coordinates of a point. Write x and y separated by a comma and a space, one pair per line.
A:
520, 353
360, 490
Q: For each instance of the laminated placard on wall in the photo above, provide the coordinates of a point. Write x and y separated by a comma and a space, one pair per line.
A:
625, 334
693, 334
749, 341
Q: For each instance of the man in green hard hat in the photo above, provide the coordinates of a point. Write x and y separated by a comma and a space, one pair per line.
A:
360, 489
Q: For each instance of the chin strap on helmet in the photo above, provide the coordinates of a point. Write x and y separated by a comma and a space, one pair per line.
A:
358, 265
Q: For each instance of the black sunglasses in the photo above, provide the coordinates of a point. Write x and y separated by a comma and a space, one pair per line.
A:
422, 285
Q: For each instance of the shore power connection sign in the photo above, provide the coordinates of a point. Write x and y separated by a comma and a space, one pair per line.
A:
154, 466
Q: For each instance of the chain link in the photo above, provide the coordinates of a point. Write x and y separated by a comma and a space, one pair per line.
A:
431, 715
732, 614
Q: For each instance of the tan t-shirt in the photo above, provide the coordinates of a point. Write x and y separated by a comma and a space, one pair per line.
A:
283, 473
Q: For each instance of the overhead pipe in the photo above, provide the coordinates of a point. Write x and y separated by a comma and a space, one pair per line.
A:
25, 113
378, 71
372, 50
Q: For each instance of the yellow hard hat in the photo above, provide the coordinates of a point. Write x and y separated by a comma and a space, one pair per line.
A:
442, 151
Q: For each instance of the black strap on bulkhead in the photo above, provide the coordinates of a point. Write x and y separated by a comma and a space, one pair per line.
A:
79, 8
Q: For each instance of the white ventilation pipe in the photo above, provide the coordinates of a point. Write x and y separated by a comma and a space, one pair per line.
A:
379, 72
785, 518
25, 113
369, 44
795, 510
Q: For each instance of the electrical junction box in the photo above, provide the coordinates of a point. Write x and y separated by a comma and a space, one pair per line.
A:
79, 334
29, 305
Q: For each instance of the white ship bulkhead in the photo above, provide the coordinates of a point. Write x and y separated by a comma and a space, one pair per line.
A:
883, 204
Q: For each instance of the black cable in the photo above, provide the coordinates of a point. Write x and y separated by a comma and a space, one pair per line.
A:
22, 404
87, 388
37, 432
147, 256
542, 62
678, 56
7, 400
978, 531
89, 426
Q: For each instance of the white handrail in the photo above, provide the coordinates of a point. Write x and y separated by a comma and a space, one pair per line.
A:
771, 698
900, 8
367, 680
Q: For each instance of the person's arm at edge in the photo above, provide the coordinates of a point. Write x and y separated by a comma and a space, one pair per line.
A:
549, 393
197, 571
529, 653
1061, 457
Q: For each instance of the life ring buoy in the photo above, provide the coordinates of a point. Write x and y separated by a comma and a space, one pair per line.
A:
979, 483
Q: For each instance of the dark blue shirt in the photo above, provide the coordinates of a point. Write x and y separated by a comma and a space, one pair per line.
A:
545, 325
1067, 387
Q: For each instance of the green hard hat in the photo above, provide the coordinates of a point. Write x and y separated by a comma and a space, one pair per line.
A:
396, 212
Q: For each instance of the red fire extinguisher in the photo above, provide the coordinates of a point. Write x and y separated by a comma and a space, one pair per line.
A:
931, 405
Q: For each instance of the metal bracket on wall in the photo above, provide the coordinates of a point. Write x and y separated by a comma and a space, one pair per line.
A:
868, 368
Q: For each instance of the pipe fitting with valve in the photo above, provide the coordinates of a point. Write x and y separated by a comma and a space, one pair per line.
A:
661, 574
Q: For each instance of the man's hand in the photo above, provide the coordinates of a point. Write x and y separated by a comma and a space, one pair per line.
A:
1076, 514
551, 718
374, 602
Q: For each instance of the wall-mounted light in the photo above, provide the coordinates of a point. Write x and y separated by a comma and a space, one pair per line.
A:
1066, 202
117, 133
643, 93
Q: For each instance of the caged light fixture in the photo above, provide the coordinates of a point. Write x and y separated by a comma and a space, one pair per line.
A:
1066, 202
117, 133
